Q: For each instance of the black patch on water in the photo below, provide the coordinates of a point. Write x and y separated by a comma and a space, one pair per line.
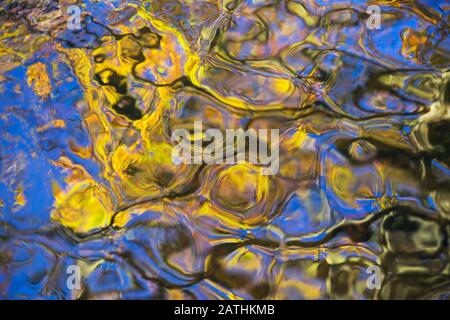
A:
260, 290
127, 107
164, 178
439, 133
132, 170
99, 58
446, 92
400, 222
359, 233
148, 39
115, 80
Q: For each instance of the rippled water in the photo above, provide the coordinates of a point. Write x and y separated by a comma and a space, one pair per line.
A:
86, 177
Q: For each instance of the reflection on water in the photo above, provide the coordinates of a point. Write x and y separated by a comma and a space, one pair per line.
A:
85, 151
